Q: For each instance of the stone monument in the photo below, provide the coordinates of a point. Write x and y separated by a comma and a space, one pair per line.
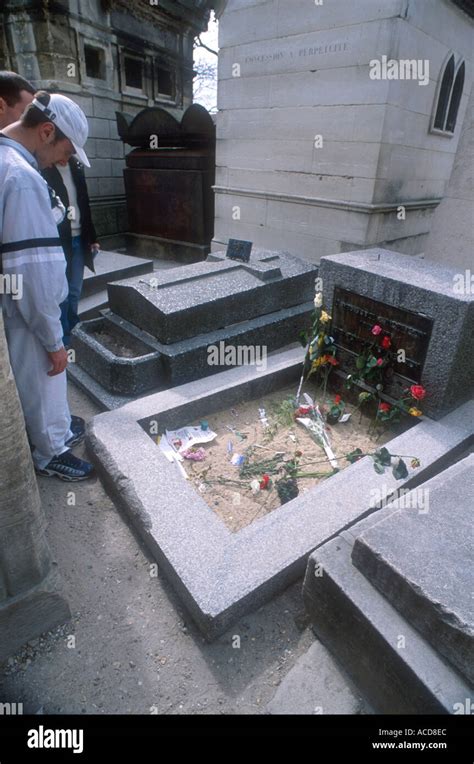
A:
161, 328
419, 303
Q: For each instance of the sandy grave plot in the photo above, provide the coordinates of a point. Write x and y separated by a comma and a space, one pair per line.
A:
266, 449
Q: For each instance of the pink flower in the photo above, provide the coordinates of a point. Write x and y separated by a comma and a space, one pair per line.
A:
376, 329
379, 361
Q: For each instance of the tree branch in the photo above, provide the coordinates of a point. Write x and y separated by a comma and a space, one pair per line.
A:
200, 44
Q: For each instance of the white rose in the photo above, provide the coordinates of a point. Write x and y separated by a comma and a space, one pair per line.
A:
318, 300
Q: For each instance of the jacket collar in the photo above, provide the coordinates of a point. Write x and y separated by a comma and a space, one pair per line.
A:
4, 141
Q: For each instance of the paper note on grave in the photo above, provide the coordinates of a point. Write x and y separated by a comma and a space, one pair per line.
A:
175, 441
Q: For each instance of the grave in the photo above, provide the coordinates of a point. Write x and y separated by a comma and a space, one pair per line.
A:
160, 326
399, 582
220, 575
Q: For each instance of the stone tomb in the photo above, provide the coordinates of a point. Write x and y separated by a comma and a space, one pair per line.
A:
220, 575
161, 326
416, 302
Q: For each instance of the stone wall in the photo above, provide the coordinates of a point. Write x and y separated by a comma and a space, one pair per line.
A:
61, 45
289, 72
451, 237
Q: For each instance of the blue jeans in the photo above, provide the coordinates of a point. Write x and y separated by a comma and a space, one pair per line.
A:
75, 276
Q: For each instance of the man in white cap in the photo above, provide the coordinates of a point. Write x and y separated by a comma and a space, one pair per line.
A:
51, 129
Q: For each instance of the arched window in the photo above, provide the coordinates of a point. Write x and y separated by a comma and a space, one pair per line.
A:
455, 99
449, 96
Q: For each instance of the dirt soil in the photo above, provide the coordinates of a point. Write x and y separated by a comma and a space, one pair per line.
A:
235, 503
118, 345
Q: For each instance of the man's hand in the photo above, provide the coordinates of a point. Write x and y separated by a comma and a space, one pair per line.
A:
59, 361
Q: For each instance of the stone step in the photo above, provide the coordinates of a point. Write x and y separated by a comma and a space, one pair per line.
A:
113, 266
421, 560
316, 685
90, 307
394, 667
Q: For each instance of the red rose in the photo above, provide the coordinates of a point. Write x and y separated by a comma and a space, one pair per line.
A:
264, 482
384, 407
337, 400
330, 359
417, 392
376, 329
386, 342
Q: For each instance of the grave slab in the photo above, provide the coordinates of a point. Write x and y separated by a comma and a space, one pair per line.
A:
421, 560
184, 302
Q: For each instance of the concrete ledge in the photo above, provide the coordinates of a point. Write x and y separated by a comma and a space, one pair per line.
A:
221, 575
319, 201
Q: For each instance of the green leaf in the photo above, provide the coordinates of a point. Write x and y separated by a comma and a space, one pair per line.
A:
379, 468
383, 456
303, 338
400, 470
354, 456
372, 362
360, 362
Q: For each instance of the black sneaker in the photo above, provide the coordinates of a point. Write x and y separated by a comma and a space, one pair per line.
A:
78, 429
67, 467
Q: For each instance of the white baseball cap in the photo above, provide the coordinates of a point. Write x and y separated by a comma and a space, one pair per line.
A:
70, 119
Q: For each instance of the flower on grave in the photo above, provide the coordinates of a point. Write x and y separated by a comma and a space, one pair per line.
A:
418, 392
318, 300
384, 407
386, 343
303, 411
376, 329
324, 317
298, 453
414, 411
337, 400
379, 361
331, 360
255, 486
317, 363
363, 397
415, 463
264, 483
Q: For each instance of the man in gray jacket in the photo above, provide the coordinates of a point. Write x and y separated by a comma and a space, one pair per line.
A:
52, 129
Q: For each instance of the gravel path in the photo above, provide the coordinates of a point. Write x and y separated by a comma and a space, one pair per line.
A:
130, 647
